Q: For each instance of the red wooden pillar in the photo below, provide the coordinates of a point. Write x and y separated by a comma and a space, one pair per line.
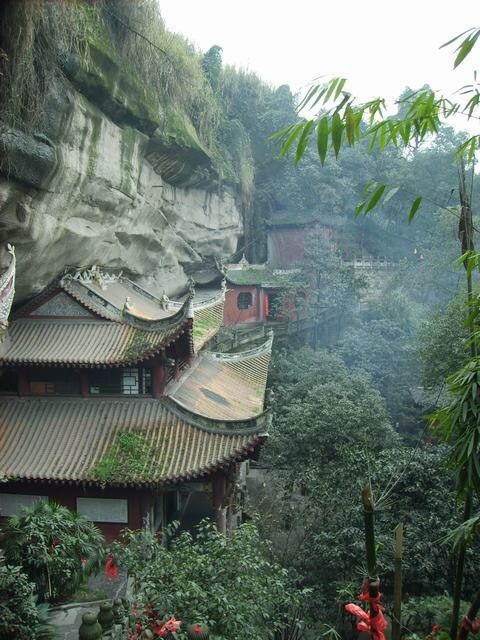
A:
82, 374
219, 490
23, 385
159, 378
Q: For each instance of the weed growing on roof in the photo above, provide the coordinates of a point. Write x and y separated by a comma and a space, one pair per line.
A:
205, 324
140, 343
124, 461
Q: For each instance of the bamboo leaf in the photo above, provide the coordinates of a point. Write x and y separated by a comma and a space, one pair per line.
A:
471, 149
471, 263
319, 97
331, 89
337, 130
302, 143
340, 86
322, 139
446, 44
375, 198
465, 48
282, 132
414, 208
390, 194
291, 139
383, 132
350, 124
309, 95
359, 208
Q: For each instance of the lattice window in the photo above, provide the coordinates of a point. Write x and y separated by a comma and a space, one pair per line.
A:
244, 300
130, 381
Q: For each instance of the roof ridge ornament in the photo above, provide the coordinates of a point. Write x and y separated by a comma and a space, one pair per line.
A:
221, 266
165, 301
7, 288
92, 274
190, 297
244, 262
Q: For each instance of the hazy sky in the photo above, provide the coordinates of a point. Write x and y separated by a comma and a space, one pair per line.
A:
380, 46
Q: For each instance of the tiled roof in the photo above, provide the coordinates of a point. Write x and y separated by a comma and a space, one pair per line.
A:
207, 319
225, 386
85, 342
294, 218
64, 439
112, 297
108, 301
259, 275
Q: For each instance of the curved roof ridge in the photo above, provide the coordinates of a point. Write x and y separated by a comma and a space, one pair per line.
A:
260, 350
258, 424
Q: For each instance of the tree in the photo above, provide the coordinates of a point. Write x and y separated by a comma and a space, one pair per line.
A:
227, 584
330, 425
443, 340
212, 65
424, 113
55, 547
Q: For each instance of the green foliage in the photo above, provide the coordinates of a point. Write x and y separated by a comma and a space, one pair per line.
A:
458, 424
166, 61
34, 35
212, 65
226, 583
50, 543
382, 344
443, 339
420, 614
331, 434
124, 460
324, 409
19, 617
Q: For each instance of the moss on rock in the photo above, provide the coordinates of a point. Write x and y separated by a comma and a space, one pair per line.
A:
108, 82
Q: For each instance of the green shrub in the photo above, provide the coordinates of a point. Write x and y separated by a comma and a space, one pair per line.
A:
225, 583
18, 611
419, 615
56, 548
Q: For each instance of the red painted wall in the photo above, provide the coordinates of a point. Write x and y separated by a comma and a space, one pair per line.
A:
233, 315
286, 245
138, 501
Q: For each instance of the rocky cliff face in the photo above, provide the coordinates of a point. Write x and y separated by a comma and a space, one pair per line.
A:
115, 180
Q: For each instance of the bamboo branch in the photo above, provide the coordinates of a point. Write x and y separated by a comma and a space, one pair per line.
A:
397, 585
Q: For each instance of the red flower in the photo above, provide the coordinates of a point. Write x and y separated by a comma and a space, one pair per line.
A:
55, 542
197, 628
83, 561
435, 628
135, 611
111, 568
171, 625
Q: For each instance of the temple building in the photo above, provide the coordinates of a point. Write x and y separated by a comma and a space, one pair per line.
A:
265, 293
288, 236
258, 293
112, 405
273, 292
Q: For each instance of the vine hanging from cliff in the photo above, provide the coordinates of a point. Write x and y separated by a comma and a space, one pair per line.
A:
34, 35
